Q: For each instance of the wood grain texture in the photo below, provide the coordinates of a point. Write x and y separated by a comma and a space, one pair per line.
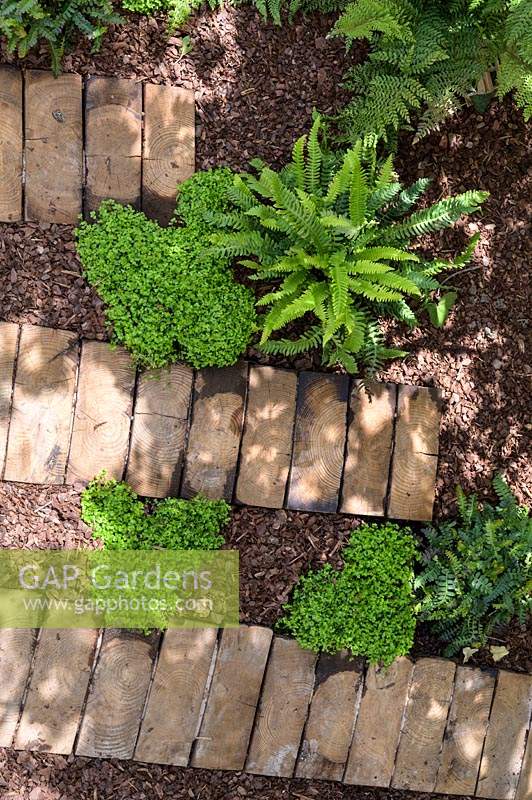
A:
332, 715
524, 787
369, 449
420, 743
267, 441
173, 711
43, 398
234, 694
319, 441
466, 731
9, 333
117, 694
53, 138
102, 417
505, 740
16, 650
113, 136
372, 756
215, 433
158, 435
282, 710
61, 671
169, 147
10, 144
415, 459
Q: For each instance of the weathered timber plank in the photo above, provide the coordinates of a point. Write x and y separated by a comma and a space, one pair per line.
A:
53, 139
505, 740
372, 756
113, 127
10, 144
230, 711
173, 711
332, 715
169, 147
9, 333
267, 441
415, 457
282, 710
103, 413
369, 449
214, 439
319, 442
116, 697
418, 756
524, 788
16, 650
466, 731
160, 424
56, 692
43, 397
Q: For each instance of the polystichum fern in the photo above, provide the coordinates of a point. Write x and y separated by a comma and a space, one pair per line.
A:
333, 235
24, 23
427, 54
477, 570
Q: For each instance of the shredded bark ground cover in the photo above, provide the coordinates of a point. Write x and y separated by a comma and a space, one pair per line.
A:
256, 86
31, 776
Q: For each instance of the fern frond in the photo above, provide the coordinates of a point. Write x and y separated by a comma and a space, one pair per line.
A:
298, 160
358, 192
294, 347
314, 159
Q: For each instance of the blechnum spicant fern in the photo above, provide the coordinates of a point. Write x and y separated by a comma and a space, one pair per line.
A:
333, 235
426, 55
477, 570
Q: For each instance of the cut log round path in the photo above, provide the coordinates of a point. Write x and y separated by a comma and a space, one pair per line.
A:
248, 434
243, 699
81, 143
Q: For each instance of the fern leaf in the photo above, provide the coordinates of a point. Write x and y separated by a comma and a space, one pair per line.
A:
298, 160
339, 287
391, 253
314, 158
358, 192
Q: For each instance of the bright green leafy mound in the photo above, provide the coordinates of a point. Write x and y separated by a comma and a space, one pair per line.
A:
367, 607
337, 238
165, 298
118, 518
426, 55
25, 23
477, 571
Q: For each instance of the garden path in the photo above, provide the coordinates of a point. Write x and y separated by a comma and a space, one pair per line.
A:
245, 699
67, 145
253, 435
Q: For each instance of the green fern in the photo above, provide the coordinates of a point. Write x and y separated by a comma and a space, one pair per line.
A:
24, 23
427, 55
338, 257
477, 571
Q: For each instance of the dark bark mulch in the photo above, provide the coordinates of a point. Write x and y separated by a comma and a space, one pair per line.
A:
32, 776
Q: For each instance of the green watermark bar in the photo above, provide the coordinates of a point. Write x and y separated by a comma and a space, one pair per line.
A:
119, 589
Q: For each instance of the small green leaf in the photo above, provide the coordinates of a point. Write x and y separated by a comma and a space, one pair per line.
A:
438, 312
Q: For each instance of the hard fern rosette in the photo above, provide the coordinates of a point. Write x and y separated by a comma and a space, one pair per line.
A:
335, 234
